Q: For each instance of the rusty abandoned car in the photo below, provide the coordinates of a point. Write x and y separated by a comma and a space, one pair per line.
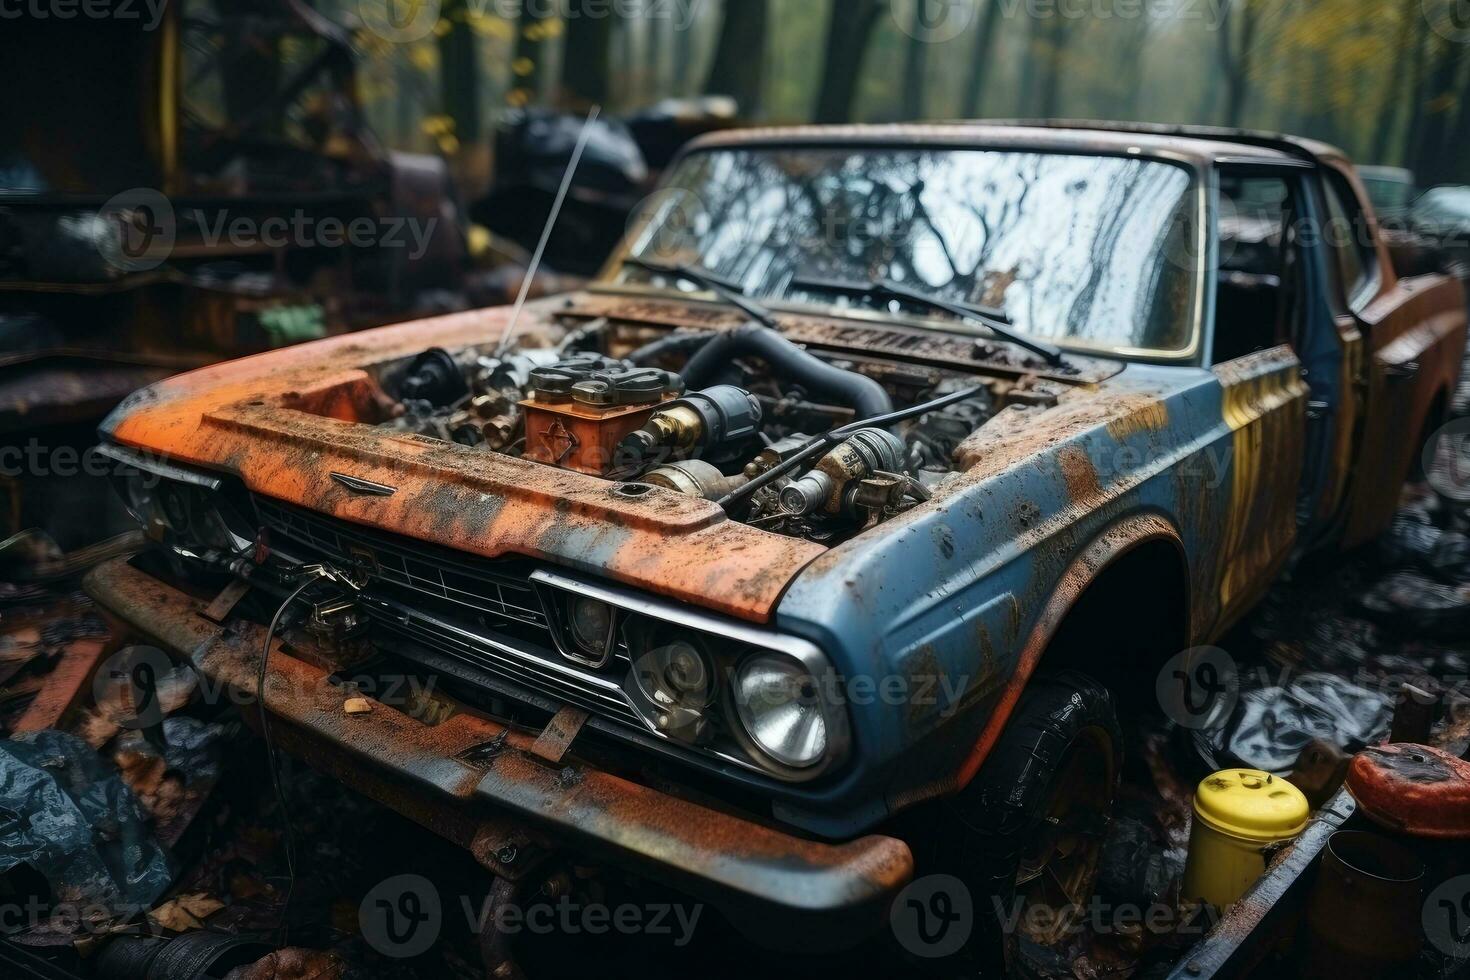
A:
825, 538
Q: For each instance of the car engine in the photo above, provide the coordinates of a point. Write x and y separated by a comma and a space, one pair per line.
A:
776, 434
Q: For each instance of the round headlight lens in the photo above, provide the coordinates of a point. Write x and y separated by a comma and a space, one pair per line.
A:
592, 623
675, 675
781, 709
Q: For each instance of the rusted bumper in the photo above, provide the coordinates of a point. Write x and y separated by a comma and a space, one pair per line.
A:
474, 781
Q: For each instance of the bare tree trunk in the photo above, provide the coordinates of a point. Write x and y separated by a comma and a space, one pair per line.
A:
1237, 35
1388, 115
1437, 161
528, 67
459, 76
586, 55
739, 68
1058, 36
982, 57
916, 60
848, 33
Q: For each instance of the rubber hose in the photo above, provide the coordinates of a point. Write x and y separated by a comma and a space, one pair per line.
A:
862, 394
674, 343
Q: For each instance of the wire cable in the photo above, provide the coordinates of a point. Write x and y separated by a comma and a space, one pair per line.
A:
270, 749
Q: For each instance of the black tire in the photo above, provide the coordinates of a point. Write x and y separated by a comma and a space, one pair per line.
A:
986, 830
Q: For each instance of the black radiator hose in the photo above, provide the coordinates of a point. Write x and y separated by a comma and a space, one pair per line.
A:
821, 380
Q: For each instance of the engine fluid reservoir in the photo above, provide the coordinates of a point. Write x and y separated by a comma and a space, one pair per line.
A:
1237, 814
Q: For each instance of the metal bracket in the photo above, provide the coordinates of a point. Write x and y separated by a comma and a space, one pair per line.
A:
557, 737
229, 597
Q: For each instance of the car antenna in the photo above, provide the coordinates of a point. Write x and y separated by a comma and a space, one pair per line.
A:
561, 199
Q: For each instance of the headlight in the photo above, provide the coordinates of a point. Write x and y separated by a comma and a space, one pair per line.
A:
742, 694
678, 679
781, 709
176, 506
592, 626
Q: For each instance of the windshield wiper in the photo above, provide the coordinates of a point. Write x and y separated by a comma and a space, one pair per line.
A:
728, 291
993, 320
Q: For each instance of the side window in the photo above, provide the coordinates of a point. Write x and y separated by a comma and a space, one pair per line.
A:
1257, 264
1349, 242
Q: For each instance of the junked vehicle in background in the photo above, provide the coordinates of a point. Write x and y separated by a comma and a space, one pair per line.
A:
823, 540
181, 194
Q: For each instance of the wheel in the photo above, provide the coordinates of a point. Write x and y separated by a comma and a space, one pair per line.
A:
1025, 836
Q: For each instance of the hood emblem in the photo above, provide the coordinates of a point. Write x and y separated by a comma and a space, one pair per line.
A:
364, 486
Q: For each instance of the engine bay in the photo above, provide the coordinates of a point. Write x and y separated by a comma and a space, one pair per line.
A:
818, 445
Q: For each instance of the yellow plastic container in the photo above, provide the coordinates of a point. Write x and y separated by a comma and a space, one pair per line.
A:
1237, 813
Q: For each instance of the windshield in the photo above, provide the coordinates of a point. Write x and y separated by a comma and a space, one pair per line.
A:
1090, 251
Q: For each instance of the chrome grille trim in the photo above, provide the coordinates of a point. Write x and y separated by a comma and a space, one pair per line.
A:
517, 666
488, 615
507, 594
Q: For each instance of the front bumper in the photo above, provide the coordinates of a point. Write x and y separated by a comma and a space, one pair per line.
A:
474, 781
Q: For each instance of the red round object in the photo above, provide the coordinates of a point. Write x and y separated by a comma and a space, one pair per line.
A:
1414, 789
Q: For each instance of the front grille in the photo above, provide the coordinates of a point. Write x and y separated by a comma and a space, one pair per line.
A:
482, 612
500, 589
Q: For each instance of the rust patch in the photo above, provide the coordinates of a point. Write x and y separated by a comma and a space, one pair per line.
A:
423, 772
285, 421
1081, 476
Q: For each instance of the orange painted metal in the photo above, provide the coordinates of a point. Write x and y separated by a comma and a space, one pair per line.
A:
580, 437
470, 772
285, 421
63, 688
1413, 789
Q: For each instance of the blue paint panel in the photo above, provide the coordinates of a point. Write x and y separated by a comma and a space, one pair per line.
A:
955, 588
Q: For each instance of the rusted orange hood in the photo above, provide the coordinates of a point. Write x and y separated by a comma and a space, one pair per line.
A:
284, 422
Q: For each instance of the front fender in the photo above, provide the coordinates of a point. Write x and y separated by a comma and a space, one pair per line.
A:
938, 618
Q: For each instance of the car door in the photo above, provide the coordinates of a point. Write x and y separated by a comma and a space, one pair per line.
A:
1412, 342
1263, 394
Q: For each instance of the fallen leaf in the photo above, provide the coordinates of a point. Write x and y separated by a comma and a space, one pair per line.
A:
186, 912
292, 964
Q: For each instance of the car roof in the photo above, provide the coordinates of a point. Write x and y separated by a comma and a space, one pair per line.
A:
1199, 146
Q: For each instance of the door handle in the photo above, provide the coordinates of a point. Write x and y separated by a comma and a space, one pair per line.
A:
1401, 372
1317, 411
